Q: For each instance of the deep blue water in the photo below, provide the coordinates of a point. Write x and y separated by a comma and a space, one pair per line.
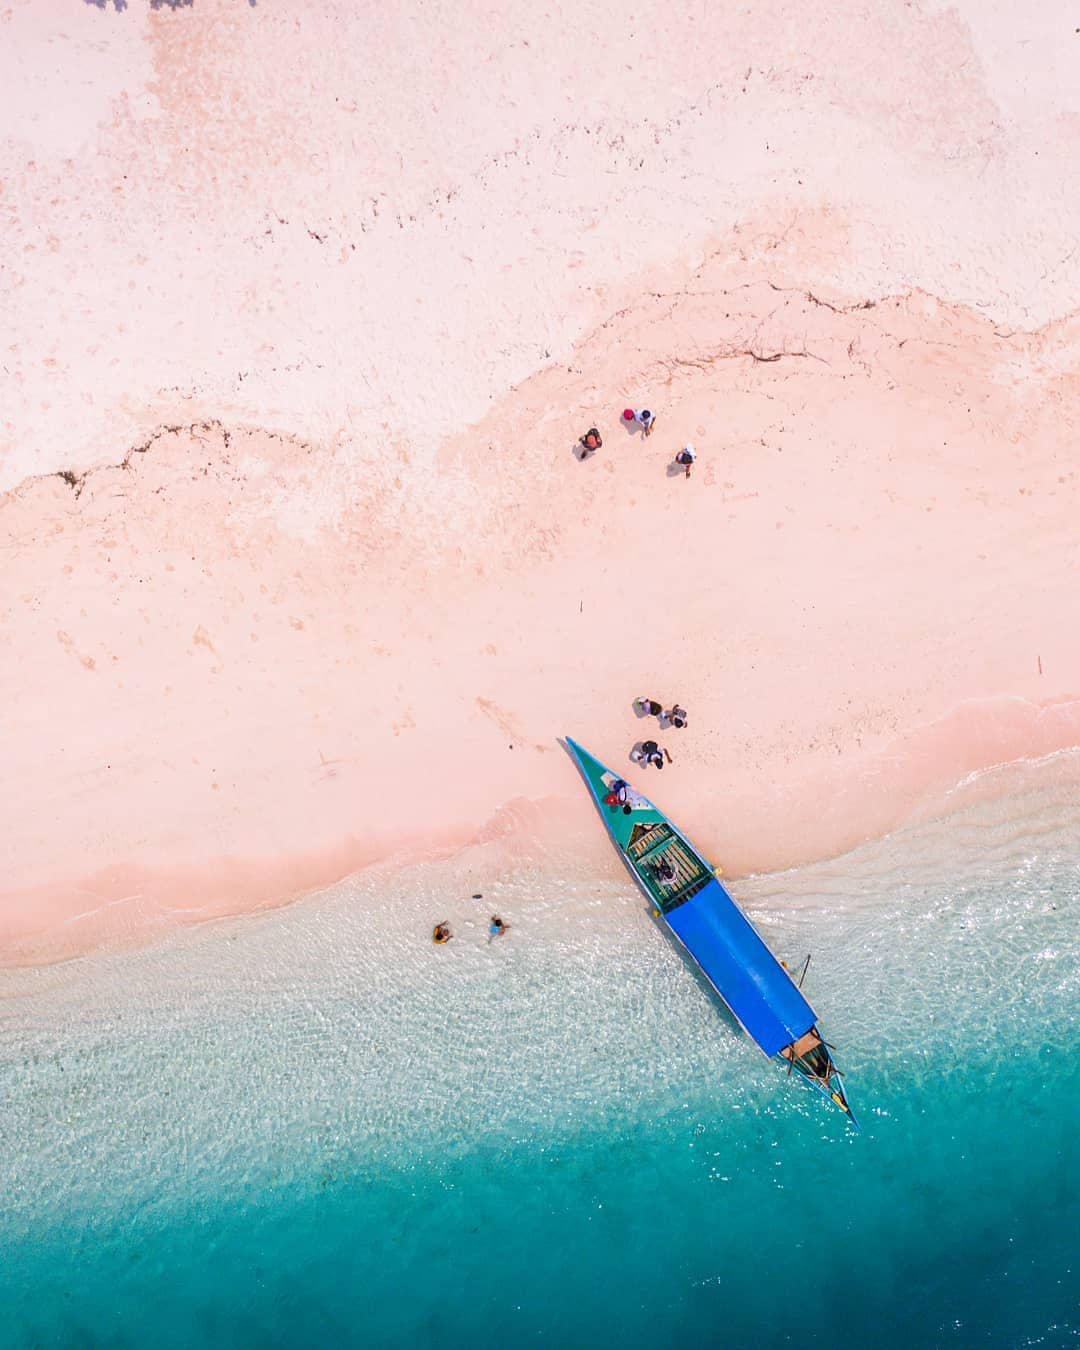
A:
307, 1129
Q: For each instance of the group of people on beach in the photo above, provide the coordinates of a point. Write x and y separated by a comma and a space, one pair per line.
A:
620, 794
651, 752
644, 418
648, 752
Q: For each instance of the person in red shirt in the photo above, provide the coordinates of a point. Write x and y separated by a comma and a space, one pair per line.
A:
590, 442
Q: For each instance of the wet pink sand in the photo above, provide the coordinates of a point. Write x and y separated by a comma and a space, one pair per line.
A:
305, 311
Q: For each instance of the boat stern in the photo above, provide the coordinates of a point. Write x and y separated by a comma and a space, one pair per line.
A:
813, 1059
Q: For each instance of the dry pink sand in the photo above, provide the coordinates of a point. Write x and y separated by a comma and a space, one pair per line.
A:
305, 307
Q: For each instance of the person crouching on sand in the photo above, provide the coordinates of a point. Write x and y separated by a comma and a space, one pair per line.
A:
648, 707
590, 442
654, 755
686, 457
650, 753
642, 416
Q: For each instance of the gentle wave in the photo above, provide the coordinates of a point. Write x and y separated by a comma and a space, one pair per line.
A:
238, 1079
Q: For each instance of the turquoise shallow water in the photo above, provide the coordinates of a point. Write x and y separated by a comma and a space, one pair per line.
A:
316, 1128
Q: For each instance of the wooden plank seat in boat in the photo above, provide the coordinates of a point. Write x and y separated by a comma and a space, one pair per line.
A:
662, 842
686, 863
690, 873
649, 839
688, 867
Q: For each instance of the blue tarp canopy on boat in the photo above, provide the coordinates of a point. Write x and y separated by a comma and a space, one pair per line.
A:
715, 932
749, 978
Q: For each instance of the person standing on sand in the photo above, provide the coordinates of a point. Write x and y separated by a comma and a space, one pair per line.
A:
590, 442
686, 457
648, 707
643, 417
675, 718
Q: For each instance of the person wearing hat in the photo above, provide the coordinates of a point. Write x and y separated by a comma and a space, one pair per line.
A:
643, 416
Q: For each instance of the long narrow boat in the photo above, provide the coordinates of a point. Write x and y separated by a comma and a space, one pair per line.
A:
685, 893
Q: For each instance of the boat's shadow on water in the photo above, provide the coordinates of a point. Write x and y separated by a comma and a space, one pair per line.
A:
730, 1023
692, 968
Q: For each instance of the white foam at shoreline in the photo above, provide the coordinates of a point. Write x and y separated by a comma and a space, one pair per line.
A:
336, 1030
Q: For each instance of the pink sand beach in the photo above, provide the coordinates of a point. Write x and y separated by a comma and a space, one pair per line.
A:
305, 308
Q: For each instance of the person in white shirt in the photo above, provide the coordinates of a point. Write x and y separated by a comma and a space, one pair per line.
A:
686, 457
643, 417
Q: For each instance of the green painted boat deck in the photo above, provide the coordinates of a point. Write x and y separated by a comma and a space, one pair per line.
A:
647, 838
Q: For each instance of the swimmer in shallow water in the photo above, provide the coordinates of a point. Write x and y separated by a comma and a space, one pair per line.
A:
441, 933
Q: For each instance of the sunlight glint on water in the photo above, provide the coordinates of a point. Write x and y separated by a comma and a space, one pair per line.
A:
315, 1124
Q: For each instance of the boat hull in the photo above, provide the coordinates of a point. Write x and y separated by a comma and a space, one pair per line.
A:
683, 890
